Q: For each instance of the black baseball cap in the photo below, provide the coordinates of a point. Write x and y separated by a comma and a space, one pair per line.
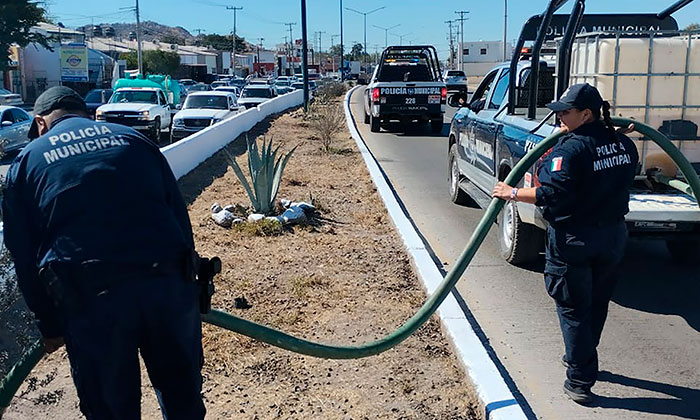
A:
57, 97
581, 96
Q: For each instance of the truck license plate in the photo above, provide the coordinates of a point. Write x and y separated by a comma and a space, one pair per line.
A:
434, 99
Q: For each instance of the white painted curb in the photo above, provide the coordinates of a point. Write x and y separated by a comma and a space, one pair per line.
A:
492, 391
187, 154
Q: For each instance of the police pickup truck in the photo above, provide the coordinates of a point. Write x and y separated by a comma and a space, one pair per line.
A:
144, 109
406, 86
507, 116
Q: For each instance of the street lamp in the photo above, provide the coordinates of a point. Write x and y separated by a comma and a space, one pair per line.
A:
365, 16
401, 37
386, 33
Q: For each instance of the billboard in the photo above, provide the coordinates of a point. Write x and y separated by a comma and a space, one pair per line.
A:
74, 62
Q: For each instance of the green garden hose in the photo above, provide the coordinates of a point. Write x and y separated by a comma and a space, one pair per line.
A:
279, 339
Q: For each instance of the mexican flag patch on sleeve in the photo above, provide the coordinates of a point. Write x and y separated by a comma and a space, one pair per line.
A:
556, 164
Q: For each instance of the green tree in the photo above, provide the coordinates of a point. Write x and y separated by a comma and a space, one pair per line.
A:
222, 42
692, 27
16, 19
154, 61
161, 62
357, 51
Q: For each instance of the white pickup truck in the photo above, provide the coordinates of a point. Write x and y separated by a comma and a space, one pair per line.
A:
144, 109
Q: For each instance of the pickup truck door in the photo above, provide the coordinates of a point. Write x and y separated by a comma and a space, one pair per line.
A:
486, 129
163, 110
481, 135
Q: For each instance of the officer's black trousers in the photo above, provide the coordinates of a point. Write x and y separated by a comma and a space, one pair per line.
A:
579, 275
157, 316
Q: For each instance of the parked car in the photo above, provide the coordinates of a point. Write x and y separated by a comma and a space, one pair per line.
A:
198, 87
187, 83
96, 98
233, 89
237, 82
143, 109
14, 125
219, 83
254, 95
9, 98
202, 109
260, 81
455, 80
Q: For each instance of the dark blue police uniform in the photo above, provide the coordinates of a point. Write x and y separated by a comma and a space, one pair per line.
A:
584, 193
98, 203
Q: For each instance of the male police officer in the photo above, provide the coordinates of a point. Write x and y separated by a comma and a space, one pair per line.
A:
101, 238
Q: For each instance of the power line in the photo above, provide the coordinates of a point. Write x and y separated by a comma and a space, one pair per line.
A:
461, 20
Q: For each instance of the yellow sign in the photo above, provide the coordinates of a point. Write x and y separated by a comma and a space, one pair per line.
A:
74, 62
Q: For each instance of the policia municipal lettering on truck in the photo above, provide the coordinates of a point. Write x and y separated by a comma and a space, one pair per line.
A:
507, 116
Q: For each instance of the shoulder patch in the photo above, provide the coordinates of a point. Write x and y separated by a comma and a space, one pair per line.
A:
556, 164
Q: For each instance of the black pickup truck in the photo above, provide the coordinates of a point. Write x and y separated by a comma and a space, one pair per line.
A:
406, 86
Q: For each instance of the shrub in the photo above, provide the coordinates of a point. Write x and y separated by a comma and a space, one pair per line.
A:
326, 119
265, 170
331, 90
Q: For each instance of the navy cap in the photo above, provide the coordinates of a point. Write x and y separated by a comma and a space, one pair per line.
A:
581, 96
57, 97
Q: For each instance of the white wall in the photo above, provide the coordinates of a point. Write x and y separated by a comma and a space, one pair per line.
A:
493, 49
187, 154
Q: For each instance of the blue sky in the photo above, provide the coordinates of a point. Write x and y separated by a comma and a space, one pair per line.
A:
422, 21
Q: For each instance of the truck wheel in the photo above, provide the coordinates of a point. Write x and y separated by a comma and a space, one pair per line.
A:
436, 126
684, 250
374, 124
520, 243
457, 195
155, 133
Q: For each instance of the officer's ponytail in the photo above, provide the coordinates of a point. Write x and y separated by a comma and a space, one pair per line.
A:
606, 116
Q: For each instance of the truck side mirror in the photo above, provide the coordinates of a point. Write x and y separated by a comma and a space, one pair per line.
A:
477, 105
457, 100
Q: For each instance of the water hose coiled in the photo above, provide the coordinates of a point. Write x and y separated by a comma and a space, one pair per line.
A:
16, 376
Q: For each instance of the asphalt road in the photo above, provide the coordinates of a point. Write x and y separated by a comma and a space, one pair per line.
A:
650, 349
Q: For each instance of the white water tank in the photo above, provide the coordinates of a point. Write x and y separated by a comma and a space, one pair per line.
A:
593, 61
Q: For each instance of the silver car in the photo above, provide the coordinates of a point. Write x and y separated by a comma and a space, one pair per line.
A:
9, 98
14, 125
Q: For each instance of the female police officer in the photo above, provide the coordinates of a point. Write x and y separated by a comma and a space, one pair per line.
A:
584, 193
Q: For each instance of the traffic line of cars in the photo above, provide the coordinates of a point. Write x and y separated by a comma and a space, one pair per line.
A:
148, 110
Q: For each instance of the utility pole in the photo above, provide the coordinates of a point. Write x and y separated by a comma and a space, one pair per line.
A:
505, 27
386, 33
452, 44
291, 44
342, 58
365, 16
329, 52
199, 31
304, 54
461, 20
261, 39
233, 38
138, 38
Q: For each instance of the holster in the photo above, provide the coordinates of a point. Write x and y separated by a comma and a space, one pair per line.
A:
204, 270
63, 290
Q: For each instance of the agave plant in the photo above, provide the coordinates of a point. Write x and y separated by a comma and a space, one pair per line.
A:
265, 173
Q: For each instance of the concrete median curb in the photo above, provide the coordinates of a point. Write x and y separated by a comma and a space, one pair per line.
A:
187, 154
492, 391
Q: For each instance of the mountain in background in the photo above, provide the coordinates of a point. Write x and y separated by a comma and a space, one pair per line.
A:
169, 34
149, 31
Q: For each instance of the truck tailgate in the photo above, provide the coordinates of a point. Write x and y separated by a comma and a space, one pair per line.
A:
651, 207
